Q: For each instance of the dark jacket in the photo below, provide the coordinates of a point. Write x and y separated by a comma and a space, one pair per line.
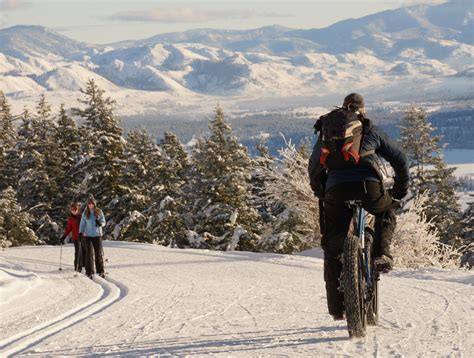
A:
375, 143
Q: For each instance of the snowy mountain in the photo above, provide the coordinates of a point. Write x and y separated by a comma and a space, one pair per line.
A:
158, 301
417, 52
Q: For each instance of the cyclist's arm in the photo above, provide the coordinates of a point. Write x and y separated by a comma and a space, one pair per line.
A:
316, 171
391, 152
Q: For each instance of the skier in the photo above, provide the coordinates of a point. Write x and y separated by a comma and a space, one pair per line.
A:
351, 170
91, 225
72, 227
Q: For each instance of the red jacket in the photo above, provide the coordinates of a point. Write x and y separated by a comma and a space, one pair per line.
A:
73, 226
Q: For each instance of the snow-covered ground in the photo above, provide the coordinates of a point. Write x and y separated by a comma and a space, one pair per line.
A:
169, 302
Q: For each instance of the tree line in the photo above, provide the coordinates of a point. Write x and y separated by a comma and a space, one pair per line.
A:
212, 195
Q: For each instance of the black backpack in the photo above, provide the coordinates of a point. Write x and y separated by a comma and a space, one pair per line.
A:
340, 133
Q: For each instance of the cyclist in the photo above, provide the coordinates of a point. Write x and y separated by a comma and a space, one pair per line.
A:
352, 171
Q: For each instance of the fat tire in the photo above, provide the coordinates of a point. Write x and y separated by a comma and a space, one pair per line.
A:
353, 284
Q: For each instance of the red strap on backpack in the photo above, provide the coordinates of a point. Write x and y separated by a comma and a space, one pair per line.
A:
346, 151
324, 155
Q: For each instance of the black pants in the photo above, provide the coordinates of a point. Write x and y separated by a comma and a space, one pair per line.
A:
94, 253
337, 217
79, 254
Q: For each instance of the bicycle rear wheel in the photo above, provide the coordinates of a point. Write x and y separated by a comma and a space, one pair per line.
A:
354, 287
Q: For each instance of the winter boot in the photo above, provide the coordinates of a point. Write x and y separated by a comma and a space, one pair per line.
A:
332, 272
383, 263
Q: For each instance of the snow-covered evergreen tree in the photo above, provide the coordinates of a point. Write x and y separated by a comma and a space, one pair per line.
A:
68, 141
444, 207
295, 226
167, 213
15, 161
468, 223
220, 189
421, 146
138, 181
14, 224
176, 165
38, 166
102, 151
430, 173
262, 176
7, 139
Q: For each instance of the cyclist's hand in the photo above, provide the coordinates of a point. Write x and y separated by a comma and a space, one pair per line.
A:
319, 192
398, 192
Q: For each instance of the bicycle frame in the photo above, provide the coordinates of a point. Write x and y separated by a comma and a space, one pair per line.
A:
359, 279
359, 215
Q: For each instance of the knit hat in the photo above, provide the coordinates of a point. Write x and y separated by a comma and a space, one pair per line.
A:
354, 100
91, 200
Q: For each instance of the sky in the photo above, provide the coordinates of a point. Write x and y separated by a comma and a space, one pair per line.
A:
108, 21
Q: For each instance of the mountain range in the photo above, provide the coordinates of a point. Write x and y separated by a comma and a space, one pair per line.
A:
420, 52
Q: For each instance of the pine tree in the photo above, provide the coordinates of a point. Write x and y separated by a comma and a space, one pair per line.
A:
7, 132
143, 160
7, 140
294, 209
262, 166
68, 142
444, 207
14, 224
468, 223
167, 224
422, 147
103, 149
176, 166
429, 173
68, 138
220, 183
41, 171
16, 161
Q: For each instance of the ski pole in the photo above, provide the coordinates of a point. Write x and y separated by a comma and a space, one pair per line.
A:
104, 260
60, 257
79, 256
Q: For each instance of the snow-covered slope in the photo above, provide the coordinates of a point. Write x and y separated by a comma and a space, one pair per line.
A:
71, 77
398, 53
160, 301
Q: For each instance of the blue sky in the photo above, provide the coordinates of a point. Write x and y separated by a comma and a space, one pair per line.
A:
106, 21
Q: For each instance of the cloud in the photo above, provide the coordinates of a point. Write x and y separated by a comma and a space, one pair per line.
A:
10, 5
188, 15
421, 2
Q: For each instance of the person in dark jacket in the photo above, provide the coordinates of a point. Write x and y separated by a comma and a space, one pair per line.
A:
362, 182
72, 227
91, 225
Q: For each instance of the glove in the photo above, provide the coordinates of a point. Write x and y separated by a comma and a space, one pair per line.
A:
61, 240
97, 222
319, 191
398, 192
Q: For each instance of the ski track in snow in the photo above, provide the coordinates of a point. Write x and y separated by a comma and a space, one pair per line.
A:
165, 302
111, 292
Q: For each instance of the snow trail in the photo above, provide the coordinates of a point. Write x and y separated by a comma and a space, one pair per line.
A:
110, 293
167, 302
